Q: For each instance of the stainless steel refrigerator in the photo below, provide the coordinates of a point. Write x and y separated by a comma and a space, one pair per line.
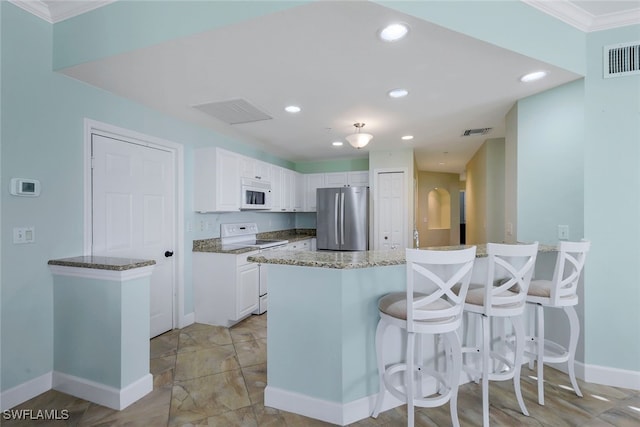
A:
342, 219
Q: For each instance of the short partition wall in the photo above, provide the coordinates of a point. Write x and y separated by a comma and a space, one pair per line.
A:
101, 334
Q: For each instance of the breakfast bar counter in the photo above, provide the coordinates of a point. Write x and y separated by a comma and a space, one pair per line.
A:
321, 325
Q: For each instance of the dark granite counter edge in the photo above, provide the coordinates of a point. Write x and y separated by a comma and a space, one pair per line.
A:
117, 264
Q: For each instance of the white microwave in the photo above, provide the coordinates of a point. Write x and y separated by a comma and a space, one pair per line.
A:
255, 194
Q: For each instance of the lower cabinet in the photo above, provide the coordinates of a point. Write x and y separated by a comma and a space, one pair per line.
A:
225, 287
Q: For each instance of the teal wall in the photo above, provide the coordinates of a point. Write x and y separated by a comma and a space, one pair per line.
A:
42, 138
550, 169
612, 208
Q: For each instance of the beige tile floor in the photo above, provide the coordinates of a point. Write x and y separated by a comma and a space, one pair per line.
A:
214, 376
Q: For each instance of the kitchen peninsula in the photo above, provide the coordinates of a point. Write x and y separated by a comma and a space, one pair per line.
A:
323, 313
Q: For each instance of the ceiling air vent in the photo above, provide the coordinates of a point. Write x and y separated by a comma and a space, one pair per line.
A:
475, 132
234, 111
622, 59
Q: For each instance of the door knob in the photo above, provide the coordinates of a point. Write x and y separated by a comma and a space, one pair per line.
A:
168, 254
386, 237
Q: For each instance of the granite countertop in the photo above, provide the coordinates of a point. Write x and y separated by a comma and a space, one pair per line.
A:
214, 245
102, 262
362, 259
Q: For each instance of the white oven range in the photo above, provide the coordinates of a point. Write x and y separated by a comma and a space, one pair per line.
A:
244, 235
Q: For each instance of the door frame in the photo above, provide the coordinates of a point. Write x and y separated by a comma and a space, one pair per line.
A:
177, 152
376, 208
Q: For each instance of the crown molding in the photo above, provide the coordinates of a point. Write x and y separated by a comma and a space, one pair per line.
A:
579, 18
57, 11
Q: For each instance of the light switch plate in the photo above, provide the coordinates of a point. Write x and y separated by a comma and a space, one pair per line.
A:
563, 232
24, 235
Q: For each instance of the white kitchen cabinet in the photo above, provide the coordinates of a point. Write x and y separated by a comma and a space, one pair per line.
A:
226, 287
299, 245
253, 168
216, 180
275, 177
298, 192
335, 179
288, 188
312, 182
358, 179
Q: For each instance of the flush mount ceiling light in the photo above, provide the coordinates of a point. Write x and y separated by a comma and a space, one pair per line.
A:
358, 139
292, 109
531, 77
393, 32
398, 93
337, 143
407, 137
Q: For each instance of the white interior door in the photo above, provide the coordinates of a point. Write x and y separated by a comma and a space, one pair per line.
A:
133, 214
391, 211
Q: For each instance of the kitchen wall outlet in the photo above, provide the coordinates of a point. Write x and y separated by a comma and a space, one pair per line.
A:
563, 232
24, 235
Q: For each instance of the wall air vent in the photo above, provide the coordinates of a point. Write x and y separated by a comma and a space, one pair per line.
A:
475, 132
622, 59
234, 111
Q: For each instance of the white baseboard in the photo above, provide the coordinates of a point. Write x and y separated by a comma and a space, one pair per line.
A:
609, 376
25, 391
331, 412
101, 394
187, 319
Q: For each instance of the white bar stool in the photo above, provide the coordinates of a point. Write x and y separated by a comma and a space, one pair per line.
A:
429, 306
509, 272
559, 292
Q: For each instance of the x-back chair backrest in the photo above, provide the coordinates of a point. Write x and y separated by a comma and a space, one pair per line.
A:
569, 266
510, 292
442, 270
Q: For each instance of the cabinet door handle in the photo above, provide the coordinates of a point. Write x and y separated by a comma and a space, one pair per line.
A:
168, 254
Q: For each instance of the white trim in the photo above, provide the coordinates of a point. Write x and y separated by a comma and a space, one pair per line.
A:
100, 274
332, 412
101, 394
612, 377
579, 18
186, 320
25, 391
105, 129
61, 10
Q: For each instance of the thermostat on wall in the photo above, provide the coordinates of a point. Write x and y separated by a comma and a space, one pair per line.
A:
25, 187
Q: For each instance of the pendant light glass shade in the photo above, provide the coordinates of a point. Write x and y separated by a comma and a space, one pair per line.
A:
358, 139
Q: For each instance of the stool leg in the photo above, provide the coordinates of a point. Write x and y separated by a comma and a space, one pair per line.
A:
574, 326
532, 330
518, 327
540, 351
486, 350
409, 383
382, 327
453, 343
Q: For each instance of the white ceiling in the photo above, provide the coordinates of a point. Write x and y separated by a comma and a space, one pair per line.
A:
325, 57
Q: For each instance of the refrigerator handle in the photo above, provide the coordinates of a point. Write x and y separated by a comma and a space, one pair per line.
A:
335, 217
342, 218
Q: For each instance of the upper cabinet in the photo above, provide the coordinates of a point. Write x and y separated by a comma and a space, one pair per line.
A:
256, 169
335, 179
216, 180
358, 179
218, 173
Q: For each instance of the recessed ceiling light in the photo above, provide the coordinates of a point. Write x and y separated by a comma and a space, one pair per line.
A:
536, 75
407, 137
292, 109
398, 93
337, 143
394, 32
